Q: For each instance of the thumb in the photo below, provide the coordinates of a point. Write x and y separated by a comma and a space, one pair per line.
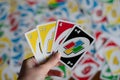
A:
52, 61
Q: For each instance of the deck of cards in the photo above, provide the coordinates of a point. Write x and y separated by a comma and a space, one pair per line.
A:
68, 38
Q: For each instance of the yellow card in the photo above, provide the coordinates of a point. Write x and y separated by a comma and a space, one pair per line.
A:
34, 43
46, 34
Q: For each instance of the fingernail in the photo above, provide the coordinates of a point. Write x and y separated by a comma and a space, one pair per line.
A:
56, 52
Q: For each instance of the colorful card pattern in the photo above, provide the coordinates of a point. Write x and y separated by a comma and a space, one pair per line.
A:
75, 44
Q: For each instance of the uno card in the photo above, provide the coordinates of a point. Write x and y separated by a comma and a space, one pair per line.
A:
99, 56
112, 56
34, 43
106, 73
61, 68
67, 73
62, 29
73, 47
46, 34
86, 68
101, 39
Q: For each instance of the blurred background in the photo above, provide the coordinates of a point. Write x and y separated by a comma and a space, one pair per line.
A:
100, 18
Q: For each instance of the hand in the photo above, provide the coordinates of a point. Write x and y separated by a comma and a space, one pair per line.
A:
32, 71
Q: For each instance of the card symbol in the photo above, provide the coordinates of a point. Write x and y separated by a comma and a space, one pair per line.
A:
78, 31
73, 47
69, 63
60, 24
115, 61
87, 70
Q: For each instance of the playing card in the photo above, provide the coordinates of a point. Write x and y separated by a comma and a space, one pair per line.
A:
67, 73
46, 35
106, 73
61, 68
112, 53
101, 39
73, 47
86, 68
62, 29
34, 43
99, 56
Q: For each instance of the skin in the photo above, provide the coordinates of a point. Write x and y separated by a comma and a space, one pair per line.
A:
31, 70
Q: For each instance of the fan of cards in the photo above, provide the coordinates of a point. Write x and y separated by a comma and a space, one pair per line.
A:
68, 38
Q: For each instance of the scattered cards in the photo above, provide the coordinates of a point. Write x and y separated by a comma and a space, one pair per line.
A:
65, 37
